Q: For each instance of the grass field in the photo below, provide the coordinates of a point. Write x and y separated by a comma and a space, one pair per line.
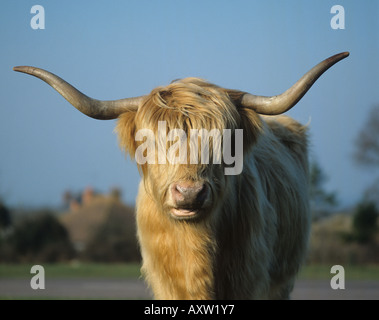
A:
352, 272
132, 270
73, 270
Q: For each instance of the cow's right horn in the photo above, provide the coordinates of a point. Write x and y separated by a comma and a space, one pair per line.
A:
98, 109
279, 104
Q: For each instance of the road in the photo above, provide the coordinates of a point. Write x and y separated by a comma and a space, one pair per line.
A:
83, 288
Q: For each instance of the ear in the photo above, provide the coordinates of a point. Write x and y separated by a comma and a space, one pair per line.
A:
126, 130
252, 126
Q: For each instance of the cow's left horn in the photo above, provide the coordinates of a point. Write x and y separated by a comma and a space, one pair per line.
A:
279, 104
98, 109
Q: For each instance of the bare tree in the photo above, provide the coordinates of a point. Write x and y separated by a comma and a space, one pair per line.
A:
366, 151
367, 142
322, 201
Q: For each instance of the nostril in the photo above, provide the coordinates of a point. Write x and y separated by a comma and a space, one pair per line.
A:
180, 189
177, 192
202, 194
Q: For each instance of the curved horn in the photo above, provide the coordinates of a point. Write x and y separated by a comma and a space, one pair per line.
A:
279, 104
97, 109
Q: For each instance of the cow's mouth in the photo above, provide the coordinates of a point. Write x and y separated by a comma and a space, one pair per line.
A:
185, 213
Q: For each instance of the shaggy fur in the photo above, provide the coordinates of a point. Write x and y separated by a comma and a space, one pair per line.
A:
253, 238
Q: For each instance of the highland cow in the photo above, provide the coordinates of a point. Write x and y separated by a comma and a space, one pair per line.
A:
204, 234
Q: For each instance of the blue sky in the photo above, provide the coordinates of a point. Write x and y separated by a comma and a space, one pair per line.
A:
117, 49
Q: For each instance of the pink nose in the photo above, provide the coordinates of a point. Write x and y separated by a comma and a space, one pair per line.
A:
188, 194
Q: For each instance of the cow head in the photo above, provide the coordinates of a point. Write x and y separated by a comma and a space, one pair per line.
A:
178, 136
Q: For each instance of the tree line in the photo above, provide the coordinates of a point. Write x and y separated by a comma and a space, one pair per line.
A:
40, 237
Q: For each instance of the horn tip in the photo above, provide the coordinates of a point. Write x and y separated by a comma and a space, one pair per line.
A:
337, 57
26, 69
21, 68
342, 55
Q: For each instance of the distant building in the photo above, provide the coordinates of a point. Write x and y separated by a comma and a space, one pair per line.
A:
90, 210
